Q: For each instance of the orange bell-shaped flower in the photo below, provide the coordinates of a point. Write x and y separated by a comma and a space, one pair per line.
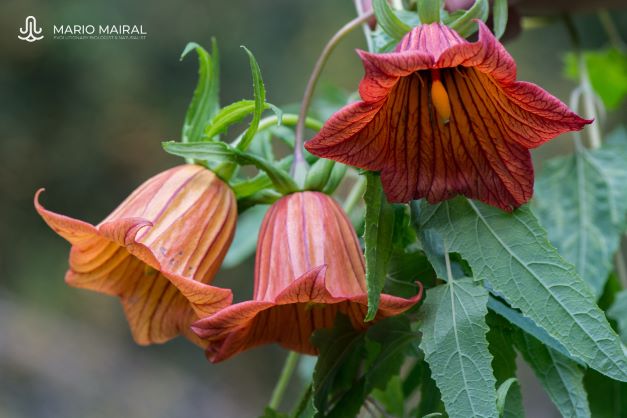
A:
309, 268
157, 251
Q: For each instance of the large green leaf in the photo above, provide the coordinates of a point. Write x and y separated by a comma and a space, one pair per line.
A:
378, 236
561, 377
581, 200
454, 342
205, 103
511, 252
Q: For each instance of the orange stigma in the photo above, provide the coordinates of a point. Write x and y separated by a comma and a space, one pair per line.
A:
439, 98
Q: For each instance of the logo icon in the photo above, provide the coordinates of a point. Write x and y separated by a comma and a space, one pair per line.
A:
30, 30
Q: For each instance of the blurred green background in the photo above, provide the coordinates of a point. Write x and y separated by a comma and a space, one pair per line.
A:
84, 118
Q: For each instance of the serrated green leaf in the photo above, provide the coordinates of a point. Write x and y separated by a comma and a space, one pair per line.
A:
499, 17
511, 252
581, 200
561, 378
205, 102
245, 239
618, 312
516, 318
454, 342
388, 21
509, 399
378, 237
464, 24
429, 10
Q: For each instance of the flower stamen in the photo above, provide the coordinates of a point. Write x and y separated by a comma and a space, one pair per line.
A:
439, 97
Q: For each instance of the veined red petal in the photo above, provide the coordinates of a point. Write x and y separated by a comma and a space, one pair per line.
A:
157, 251
480, 150
309, 268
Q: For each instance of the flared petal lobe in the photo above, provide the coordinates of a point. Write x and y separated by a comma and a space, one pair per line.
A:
402, 126
309, 268
157, 251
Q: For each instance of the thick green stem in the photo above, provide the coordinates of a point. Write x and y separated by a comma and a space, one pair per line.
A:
286, 374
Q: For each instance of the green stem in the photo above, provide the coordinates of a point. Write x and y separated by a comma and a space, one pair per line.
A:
587, 92
611, 30
286, 374
300, 165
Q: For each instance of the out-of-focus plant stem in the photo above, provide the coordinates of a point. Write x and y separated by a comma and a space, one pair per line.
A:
587, 92
299, 167
611, 31
286, 374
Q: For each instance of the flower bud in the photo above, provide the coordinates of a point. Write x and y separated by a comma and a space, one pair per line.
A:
309, 268
157, 251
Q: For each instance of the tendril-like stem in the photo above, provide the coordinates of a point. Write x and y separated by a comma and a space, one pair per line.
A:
311, 85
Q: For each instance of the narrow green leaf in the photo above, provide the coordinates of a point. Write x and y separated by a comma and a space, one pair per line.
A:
509, 400
454, 342
378, 237
388, 21
524, 323
205, 102
581, 200
561, 378
232, 114
464, 24
499, 16
219, 152
212, 152
245, 239
429, 10
618, 312
511, 252
392, 397
260, 100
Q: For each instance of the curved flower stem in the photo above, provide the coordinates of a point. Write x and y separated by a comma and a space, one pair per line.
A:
367, 32
286, 374
611, 30
299, 160
587, 92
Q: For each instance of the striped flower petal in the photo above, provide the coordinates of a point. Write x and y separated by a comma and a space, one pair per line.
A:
157, 251
441, 116
309, 268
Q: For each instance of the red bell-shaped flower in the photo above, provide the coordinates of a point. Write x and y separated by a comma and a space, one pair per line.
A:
309, 267
157, 251
442, 116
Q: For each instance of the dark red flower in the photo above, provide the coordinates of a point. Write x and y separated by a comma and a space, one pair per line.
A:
442, 116
157, 251
309, 267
